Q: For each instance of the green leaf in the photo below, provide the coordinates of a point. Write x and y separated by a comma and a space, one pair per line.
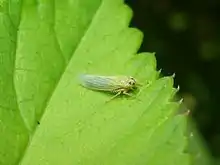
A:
44, 46
199, 152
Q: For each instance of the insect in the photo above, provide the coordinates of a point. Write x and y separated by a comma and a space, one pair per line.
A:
114, 84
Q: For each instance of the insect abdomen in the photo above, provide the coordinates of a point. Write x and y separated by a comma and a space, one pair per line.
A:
94, 82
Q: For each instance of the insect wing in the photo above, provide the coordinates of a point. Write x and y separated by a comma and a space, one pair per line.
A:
104, 83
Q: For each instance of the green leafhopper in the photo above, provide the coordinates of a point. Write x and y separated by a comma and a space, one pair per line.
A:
114, 84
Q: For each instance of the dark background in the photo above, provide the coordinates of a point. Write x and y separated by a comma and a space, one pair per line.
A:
186, 38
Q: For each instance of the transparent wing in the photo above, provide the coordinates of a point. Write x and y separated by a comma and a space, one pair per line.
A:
104, 83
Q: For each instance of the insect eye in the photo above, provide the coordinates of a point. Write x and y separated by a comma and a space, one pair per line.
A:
131, 82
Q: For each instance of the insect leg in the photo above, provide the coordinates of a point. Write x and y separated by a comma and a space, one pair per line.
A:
118, 93
126, 93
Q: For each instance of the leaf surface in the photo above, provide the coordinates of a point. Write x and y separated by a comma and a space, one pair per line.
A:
45, 45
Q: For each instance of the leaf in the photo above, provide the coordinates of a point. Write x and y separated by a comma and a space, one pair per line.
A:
197, 149
44, 46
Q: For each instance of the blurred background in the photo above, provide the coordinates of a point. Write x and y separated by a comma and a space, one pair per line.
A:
186, 38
